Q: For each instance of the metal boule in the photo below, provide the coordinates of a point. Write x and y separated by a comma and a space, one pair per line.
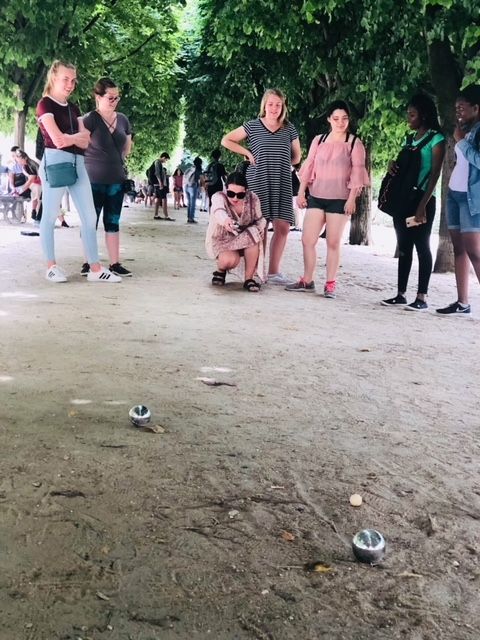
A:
368, 546
139, 415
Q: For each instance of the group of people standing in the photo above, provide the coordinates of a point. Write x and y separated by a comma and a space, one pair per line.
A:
334, 174
463, 200
96, 145
195, 182
331, 179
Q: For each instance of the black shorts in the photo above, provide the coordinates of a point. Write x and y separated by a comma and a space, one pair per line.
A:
161, 192
326, 204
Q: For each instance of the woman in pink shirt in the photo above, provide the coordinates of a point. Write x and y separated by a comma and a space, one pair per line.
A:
178, 188
335, 174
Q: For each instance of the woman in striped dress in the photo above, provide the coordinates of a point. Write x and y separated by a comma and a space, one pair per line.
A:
273, 148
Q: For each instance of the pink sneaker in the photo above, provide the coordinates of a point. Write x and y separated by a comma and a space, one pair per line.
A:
329, 289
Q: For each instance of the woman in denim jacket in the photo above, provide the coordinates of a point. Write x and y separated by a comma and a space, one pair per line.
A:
463, 200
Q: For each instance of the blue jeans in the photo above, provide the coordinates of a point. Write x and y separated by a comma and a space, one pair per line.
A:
459, 217
81, 193
191, 201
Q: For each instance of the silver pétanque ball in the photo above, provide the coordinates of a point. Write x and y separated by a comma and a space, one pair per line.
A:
139, 415
368, 545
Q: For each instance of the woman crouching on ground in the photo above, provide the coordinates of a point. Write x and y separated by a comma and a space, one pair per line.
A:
236, 228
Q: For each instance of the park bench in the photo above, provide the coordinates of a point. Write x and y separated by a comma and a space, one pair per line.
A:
12, 208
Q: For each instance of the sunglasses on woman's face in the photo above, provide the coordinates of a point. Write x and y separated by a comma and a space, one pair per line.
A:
112, 98
236, 194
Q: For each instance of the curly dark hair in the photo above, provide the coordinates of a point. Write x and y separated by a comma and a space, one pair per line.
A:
426, 110
471, 94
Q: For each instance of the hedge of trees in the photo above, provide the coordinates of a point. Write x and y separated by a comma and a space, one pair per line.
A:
209, 61
374, 53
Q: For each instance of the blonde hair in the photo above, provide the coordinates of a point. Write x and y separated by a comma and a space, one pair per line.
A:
56, 64
282, 118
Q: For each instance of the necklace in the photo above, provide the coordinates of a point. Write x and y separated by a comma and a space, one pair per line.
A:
110, 125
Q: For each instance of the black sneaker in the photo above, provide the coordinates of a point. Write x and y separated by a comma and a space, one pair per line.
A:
455, 309
417, 305
397, 301
119, 270
85, 269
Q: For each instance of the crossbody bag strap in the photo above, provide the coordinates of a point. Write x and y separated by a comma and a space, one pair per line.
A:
72, 132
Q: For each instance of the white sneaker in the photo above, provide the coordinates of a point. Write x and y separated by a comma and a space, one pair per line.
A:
104, 275
55, 274
278, 278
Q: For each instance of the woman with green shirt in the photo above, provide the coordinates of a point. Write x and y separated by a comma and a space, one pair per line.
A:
423, 119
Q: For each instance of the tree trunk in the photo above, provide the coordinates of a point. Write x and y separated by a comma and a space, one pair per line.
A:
444, 261
360, 227
20, 122
446, 77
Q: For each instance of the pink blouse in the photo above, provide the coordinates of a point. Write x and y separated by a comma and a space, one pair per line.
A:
178, 181
332, 169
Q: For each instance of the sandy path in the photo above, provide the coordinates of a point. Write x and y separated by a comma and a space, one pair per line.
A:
331, 398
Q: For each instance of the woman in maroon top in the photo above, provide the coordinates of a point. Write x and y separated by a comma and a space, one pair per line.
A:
65, 140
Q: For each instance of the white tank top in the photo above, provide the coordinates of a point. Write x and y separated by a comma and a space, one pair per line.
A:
459, 177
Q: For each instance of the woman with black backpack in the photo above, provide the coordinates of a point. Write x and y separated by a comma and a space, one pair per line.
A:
414, 227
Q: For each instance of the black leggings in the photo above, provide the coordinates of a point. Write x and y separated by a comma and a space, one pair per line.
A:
418, 237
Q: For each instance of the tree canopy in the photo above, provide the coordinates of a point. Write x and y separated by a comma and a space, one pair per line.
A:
373, 53
136, 42
210, 61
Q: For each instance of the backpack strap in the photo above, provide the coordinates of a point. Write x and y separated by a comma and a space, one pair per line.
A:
354, 138
409, 140
421, 144
324, 136
426, 140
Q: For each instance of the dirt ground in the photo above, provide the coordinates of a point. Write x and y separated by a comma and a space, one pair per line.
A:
204, 531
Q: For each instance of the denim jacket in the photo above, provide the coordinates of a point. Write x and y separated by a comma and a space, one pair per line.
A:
472, 153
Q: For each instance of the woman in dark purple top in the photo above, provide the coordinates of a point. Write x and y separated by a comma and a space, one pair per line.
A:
110, 143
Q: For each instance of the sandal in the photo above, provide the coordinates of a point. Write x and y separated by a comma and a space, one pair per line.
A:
219, 278
251, 286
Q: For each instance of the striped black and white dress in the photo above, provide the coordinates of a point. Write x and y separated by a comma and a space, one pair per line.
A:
271, 177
